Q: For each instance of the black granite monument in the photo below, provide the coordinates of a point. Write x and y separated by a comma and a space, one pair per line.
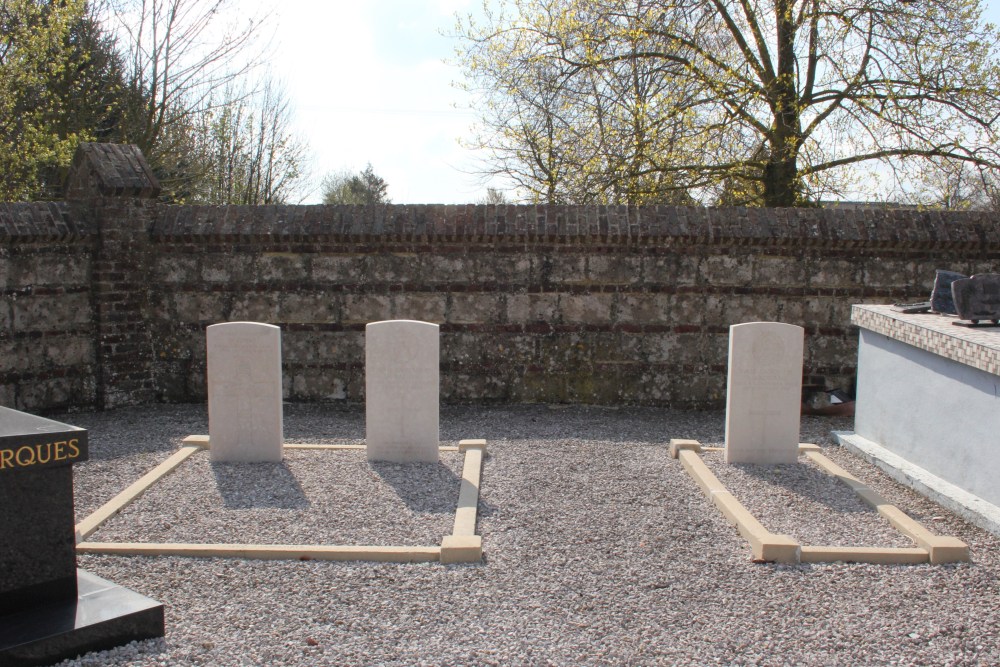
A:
978, 298
50, 610
942, 300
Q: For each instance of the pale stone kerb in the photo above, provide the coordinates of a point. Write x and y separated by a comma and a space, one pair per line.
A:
201, 441
461, 549
768, 547
468, 496
294, 552
677, 445
463, 545
870, 555
957, 500
764, 545
946, 549
777, 549
466, 445
696, 468
940, 548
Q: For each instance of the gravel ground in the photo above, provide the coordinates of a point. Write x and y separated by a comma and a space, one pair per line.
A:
600, 550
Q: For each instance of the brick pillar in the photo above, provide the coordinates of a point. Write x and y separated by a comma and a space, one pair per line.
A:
116, 190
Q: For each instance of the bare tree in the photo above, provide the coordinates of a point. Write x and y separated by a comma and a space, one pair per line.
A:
954, 185
247, 152
178, 55
569, 134
495, 197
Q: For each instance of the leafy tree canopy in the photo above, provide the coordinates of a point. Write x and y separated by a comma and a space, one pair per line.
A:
35, 52
165, 75
774, 102
365, 187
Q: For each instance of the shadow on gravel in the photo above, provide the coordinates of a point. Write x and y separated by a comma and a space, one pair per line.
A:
811, 484
423, 487
258, 485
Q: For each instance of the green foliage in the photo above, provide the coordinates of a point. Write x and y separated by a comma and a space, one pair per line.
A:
776, 102
34, 53
161, 74
92, 94
365, 187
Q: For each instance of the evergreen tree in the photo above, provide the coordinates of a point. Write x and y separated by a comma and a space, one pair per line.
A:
365, 187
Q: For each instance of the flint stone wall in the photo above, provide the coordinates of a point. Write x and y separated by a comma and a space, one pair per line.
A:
106, 297
47, 329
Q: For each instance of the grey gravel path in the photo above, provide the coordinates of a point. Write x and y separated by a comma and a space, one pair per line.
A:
600, 550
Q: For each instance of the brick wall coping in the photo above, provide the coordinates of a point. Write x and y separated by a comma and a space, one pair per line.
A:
979, 348
41, 221
898, 230
659, 225
110, 170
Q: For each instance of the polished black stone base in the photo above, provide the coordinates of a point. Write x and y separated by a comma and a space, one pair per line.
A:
104, 615
38, 549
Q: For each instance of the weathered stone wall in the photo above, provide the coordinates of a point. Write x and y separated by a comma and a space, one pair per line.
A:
47, 331
604, 305
595, 304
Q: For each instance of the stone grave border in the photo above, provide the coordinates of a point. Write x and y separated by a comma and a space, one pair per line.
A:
462, 546
769, 547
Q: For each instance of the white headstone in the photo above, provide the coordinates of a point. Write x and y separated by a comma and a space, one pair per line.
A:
764, 398
402, 380
244, 392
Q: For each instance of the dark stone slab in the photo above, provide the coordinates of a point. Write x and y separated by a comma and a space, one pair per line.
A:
991, 324
28, 442
49, 610
911, 308
103, 616
941, 298
38, 547
978, 298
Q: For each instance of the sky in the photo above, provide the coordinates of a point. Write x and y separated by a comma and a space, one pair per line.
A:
372, 82
368, 83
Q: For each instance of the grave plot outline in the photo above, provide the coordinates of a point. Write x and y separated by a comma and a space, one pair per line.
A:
768, 547
463, 545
